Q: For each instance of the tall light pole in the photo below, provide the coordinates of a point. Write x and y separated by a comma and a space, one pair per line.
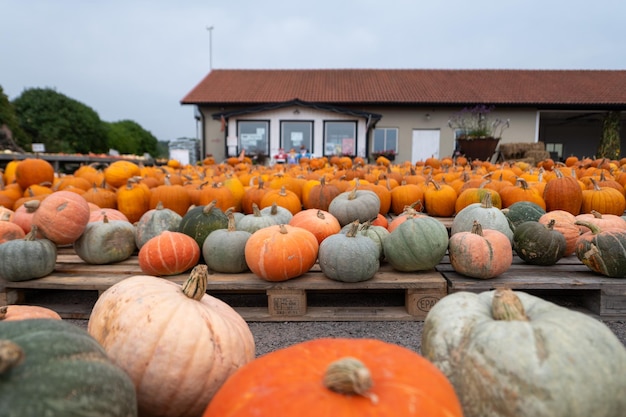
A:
210, 29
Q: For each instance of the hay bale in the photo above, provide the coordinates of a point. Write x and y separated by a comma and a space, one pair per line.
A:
537, 155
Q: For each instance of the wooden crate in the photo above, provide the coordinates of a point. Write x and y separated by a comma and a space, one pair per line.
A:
279, 301
568, 282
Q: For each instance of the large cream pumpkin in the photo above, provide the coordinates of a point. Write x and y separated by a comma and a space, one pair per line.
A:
178, 345
513, 354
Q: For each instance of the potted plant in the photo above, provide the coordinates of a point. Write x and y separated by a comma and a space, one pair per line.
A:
477, 135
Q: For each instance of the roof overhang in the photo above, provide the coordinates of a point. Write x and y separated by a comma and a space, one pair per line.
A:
372, 118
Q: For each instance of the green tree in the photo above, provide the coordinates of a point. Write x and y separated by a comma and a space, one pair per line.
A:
9, 118
62, 124
610, 142
128, 137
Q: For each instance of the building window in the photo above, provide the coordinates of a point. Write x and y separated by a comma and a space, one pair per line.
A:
385, 139
340, 138
253, 137
556, 150
295, 135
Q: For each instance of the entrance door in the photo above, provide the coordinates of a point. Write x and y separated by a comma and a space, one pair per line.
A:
425, 144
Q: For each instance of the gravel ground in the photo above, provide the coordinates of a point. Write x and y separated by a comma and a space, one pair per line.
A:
270, 336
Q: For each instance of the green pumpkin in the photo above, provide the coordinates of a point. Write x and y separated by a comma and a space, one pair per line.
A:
279, 214
63, 372
349, 257
602, 251
523, 211
155, 221
417, 244
361, 205
257, 220
28, 258
200, 221
486, 214
224, 250
106, 241
539, 244
532, 358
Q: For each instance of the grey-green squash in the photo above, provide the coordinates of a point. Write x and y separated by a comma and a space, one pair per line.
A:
56, 369
486, 214
417, 244
349, 257
257, 220
523, 356
106, 241
155, 221
224, 250
279, 214
28, 258
361, 205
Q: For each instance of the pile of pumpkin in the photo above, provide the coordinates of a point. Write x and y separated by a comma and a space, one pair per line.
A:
154, 348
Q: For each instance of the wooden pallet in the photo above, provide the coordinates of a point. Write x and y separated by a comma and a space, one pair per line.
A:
311, 297
569, 282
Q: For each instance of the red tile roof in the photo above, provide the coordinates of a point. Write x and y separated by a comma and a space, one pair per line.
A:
407, 86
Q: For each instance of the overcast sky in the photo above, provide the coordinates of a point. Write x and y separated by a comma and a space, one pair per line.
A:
136, 59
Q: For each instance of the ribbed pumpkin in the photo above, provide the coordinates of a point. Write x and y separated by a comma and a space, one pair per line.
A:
101, 196
28, 258
54, 368
488, 216
337, 377
319, 196
283, 198
319, 222
349, 257
476, 195
169, 253
405, 195
223, 250
497, 351
605, 200
16, 312
539, 244
62, 217
110, 213
563, 193
172, 196
281, 252
155, 221
417, 244
604, 221
361, 205
440, 199
480, 253
133, 200
177, 344
601, 250
106, 241
199, 221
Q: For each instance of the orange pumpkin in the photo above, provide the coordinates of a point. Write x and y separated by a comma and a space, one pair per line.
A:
283, 198
440, 199
564, 222
9, 230
563, 193
319, 222
62, 217
133, 200
31, 171
605, 200
16, 312
337, 377
480, 253
169, 253
119, 172
281, 252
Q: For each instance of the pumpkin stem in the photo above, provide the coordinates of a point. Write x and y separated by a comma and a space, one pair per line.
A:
3, 312
195, 286
507, 306
11, 354
354, 228
349, 376
477, 228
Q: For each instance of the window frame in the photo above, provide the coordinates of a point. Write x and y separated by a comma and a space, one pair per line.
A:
343, 144
266, 134
385, 148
